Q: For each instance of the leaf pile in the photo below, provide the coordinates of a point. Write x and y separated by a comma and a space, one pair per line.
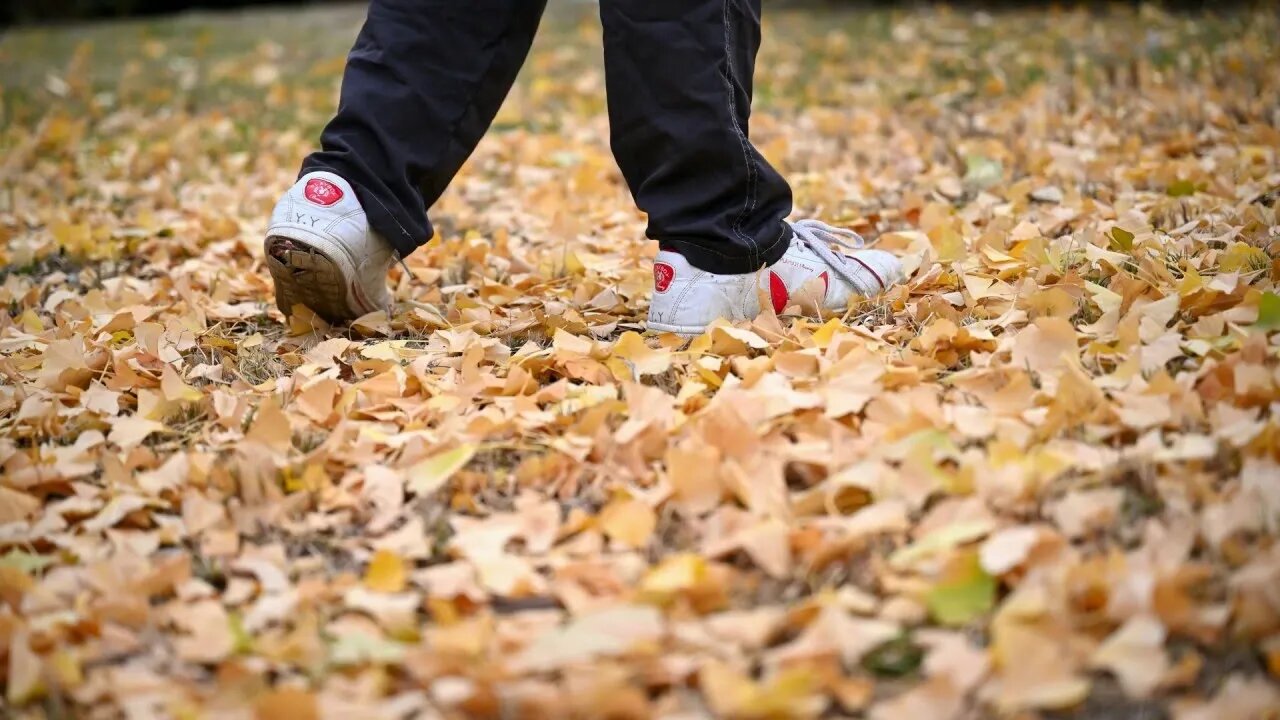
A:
1040, 479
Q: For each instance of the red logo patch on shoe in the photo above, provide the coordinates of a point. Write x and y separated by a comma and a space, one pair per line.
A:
663, 274
322, 192
778, 292
826, 283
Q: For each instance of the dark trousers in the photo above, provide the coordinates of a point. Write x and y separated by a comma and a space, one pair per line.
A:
426, 78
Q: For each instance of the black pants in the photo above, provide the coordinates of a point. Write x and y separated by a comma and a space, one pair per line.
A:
426, 78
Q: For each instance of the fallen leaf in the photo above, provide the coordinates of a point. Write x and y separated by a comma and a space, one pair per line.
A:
963, 592
431, 474
286, 703
609, 632
628, 521
386, 573
1134, 653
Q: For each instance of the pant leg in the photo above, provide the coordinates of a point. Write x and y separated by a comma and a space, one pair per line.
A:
421, 87
678, 75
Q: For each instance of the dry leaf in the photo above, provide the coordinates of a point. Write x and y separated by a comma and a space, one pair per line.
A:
386, 573
431, 474
628, 521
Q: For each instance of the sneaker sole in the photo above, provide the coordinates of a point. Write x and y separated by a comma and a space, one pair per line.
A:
686, 331
305, 275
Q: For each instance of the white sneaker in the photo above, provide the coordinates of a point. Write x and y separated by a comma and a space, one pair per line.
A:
322, 253
686, 299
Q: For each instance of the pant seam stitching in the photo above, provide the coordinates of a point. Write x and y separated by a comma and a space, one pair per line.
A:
391, 215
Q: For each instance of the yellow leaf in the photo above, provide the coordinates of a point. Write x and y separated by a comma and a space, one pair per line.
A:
641, 358
286, 703
386, 573
175, 390
271, 427
939, 541
822, 336
24, 682
31, 322
431, 474
127, 432
628, 522
1243, 257
729, 692
692, 473
675, 574
64, 667
980, 288
569, 344
1106, 300
1046, 345
947, 243
788, 694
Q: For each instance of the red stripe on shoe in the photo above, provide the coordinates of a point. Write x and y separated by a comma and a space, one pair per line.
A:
874, 274
826, 283
778, 292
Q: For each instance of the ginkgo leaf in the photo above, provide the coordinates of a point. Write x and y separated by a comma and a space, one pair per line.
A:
286, 703
641, 358
676, 573
386, 572
175, 389
611, 631
1122, 239
354, 648
128, 432
1268, 312
1135, 654
964, 591
1038, 468
940, 540
24, 682
628, 521
431, 474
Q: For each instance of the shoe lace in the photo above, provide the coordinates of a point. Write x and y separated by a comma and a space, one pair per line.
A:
819, 237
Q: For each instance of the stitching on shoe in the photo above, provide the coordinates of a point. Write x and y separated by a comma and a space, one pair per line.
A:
688, 287
874, 274
351, 213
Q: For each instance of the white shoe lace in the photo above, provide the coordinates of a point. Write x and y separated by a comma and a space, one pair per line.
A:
819, 236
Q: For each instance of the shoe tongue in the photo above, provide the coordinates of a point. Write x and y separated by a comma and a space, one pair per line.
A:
322, 192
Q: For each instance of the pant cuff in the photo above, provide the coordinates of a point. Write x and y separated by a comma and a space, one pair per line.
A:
736, 260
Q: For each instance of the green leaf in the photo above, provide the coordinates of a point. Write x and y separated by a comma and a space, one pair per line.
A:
982, 172
26, 562
1121, 239
1181, 188
243, 640
1268, 312
895, 658
357, 648
965, 592
431, 474
939, 541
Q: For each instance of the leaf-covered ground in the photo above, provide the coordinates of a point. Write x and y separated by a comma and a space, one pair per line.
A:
1042, 479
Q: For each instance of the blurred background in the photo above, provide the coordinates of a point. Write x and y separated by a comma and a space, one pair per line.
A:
28, 11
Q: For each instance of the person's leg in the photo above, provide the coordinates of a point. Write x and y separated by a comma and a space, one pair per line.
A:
421, 87
679, 75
